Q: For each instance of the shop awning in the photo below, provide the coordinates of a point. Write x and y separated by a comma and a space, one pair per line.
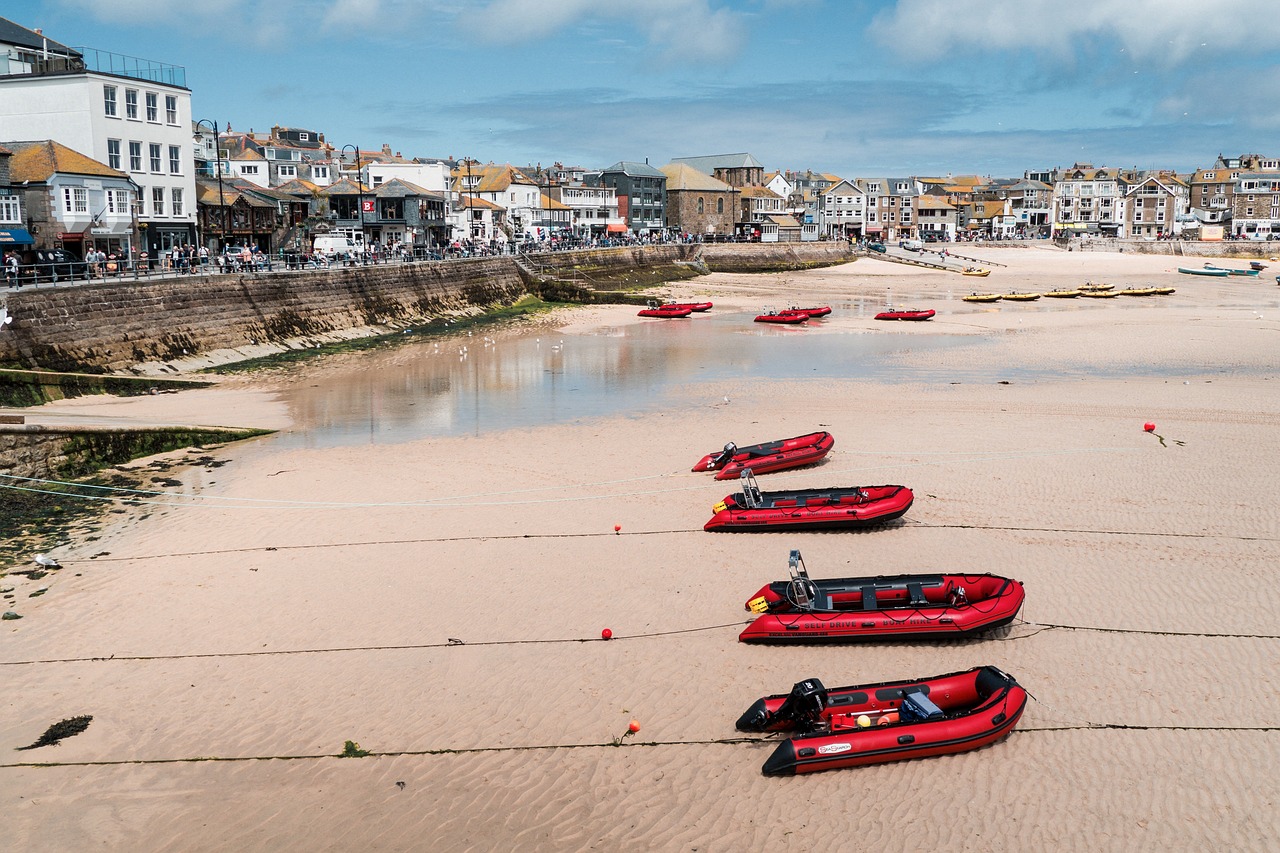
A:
616, 229
16, 237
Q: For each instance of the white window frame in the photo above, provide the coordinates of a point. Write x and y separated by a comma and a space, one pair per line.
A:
155, 157
289, 171
10, 208
109, 106
153, 107
75, 200
175, 160
131, 104
157, 201
175, 201
113, 153
135, 156
171, 109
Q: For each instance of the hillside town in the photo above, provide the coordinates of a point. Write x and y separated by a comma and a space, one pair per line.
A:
106, 166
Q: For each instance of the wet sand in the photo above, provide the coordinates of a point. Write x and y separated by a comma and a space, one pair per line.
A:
313, 593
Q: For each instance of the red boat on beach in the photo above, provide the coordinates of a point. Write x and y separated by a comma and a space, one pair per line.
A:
913, 314
820, 311
807, 509
889, 721
882, 607
692, 306
770, 456
665, 311
787, 317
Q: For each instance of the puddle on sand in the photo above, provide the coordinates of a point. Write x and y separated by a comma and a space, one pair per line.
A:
540, 379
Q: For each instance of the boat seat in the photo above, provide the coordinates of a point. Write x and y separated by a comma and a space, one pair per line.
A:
869, 598
916, 592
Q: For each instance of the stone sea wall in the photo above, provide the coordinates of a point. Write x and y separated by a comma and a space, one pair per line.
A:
117, 325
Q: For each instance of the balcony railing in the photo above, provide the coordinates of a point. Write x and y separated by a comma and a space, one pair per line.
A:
105, 62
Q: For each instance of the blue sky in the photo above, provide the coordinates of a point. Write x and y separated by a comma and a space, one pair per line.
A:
855, 87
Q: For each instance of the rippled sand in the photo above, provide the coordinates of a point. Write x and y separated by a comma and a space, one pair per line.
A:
261, 629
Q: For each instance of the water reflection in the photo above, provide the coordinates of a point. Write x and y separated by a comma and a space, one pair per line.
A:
471, 385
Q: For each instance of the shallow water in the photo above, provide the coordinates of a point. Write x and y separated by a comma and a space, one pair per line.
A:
437, 388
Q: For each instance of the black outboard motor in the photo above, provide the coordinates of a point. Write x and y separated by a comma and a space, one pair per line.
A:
727, 454
802, 708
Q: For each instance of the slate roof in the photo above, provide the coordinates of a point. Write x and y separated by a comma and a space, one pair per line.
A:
635, 170
708, 165
346, 186
39, 161
759, 192
682, 176
13, 33
470, 201
298, 187
933, 202
400, 188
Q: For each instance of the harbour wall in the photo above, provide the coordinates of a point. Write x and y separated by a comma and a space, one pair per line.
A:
121, 325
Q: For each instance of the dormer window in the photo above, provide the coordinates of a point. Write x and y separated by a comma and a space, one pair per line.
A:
1208, 176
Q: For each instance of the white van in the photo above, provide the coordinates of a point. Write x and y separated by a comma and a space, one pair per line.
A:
912, 245
331, 245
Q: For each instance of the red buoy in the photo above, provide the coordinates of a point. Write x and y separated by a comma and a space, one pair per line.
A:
618, 527
606, 634
1149, 426
634, 727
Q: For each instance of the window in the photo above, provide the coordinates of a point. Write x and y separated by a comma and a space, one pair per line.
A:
701, 205
154, 150
320, 173
1208, 176
113, 153
135, 156
177, 201
248, 170
131, 103
153, 109
117, 201
288, 171
175, 160
171, 109
157, 201
304, 137
75, 200
109, 100
10, 209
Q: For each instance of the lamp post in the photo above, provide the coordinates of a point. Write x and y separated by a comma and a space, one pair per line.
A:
222, 203
359, 191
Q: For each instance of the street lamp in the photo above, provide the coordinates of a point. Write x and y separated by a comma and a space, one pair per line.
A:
359, 189
222, 203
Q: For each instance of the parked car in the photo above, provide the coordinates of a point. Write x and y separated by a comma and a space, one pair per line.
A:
50, 265
876, 247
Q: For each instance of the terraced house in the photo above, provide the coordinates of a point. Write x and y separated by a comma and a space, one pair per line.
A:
1088, 200
1213, 189
1154, 205
1256, 215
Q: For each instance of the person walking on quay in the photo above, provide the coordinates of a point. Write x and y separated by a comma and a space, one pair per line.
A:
11, 269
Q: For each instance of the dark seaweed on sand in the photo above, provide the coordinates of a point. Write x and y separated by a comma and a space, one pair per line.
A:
59, 730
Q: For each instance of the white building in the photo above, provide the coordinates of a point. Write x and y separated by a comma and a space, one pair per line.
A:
843, 211
132, 114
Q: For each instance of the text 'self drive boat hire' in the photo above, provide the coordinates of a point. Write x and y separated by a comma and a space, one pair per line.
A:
890, 721
770, 456
786, 317
664, 311
904, 314
915, 607
848, 507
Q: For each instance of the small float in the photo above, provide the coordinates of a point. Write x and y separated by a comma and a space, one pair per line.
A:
846, 507
1062, 294
976, 271
907, 314
786, 317
769, 456
880, 607
1217, 273
1019, 296
982, 297
664, 311
888, 721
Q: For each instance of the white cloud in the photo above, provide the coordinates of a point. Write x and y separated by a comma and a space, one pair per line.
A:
1163, 33
687, 30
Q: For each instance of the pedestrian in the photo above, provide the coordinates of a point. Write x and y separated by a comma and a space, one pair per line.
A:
11, 269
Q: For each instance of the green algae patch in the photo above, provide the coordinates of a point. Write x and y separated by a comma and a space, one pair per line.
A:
21, 388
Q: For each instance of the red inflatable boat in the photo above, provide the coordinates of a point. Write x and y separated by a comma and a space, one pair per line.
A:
667, 311
820, 311
883, 607
788, 317
770, 456
692, 306
890, 721
852, 506
924, 314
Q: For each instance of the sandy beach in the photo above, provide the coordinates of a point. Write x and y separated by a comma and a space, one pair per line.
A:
440, 600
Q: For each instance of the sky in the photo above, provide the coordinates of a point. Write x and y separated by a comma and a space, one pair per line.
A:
853, 87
